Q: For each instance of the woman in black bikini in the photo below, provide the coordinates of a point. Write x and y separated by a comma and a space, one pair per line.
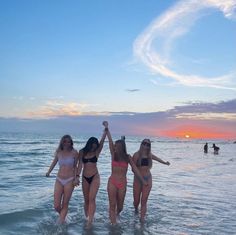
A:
88, 157
143, 160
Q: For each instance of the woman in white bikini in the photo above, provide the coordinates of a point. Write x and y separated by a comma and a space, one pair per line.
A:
67, 157
143, 160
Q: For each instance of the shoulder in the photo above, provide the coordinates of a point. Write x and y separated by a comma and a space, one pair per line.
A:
136, 155
57, 152
74, 152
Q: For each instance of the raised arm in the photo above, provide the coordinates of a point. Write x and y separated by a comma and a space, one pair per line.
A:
160, 160
53, 164
101, 142
111, 145
136, 171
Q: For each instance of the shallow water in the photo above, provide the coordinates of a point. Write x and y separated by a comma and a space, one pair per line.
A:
196, 194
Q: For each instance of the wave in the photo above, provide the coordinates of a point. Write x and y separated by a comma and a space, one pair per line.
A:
15, 155
20, 142
17, 216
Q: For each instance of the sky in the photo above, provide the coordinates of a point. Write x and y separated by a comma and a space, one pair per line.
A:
159, 68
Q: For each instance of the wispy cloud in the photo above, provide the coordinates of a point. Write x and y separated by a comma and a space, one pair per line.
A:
208, 116
224, 110
132, 90
173, 24
207, 107
55, 108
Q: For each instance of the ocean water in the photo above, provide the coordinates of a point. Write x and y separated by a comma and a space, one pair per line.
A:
196, 194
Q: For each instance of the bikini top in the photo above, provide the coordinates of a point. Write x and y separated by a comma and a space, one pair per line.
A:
92, 159
119, 164
144, 161
66, 161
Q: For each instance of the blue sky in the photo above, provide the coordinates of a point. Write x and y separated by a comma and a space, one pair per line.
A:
103, 58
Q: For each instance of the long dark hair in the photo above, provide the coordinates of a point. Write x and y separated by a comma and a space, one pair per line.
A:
60, 147
89, 145
122, 155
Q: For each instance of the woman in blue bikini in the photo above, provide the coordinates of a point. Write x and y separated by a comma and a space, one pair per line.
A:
143, 160
88, 157
67, 157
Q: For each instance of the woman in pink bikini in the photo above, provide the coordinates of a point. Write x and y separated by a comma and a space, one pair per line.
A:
117, 182
143, 160
88, 157
67, 157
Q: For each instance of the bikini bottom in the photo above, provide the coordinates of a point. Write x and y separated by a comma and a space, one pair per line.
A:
147, 177
89, 179
118, 184
65, 181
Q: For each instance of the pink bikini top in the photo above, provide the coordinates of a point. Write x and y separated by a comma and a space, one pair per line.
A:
120, 164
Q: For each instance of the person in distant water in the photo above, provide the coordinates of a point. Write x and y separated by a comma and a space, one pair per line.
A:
66, 156
117, 182
216, 149
143, 159
206, 148
88, 157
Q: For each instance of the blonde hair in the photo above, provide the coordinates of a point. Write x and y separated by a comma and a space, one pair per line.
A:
60, 146
140, 154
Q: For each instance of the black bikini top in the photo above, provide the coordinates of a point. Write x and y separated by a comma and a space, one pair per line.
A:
92, 159
144, 162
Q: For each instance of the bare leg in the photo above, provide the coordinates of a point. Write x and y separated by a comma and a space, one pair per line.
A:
145, 193
85, 187
112, 194
68, 189
137, 189
120, 199
94, 186
58, 193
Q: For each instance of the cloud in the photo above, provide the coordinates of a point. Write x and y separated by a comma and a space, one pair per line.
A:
54, 108
173, 24
207, 107
199, 119
224, 110
132, 90
208, 116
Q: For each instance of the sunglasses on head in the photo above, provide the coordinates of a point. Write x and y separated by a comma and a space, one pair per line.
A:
146, 144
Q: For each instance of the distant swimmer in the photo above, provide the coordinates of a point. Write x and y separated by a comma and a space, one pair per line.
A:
216, 149
206, 148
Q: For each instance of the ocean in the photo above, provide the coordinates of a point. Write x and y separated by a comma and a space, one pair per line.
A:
196, 194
